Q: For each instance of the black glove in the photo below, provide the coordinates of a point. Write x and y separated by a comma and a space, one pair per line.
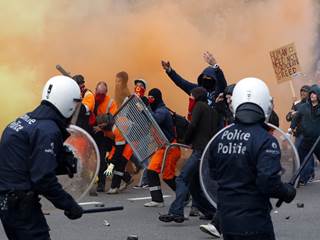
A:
67, 163
288, 193
74, 213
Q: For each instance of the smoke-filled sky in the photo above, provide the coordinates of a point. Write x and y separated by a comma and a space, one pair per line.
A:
102, 37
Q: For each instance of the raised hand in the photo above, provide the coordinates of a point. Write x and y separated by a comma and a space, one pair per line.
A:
208, 58
166, 65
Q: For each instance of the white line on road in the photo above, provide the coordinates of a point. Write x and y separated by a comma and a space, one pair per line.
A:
145, 198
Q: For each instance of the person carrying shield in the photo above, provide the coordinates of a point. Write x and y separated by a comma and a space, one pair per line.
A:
244, 159
163, 117
31, 152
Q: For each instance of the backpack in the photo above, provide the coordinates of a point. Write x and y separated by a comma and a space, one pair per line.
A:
180, 125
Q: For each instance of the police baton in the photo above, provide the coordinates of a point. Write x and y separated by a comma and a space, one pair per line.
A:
303, 165
104, 209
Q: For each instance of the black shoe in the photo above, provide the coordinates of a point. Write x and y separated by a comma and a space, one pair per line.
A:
171, 218
194, 212
206, 217
100, 189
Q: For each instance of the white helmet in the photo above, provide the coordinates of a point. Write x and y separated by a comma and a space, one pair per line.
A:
252, 90
144, 82
63, 93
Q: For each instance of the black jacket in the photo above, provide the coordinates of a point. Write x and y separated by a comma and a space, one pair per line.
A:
245, 162
203, 126
307, 118
30, 150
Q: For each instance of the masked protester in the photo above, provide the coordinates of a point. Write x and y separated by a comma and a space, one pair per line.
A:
203, 126
31, 150
245, 162
87, 105
211, 78
163, 117
307, 120
103, 135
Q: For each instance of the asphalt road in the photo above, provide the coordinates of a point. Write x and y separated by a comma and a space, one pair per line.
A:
290, 222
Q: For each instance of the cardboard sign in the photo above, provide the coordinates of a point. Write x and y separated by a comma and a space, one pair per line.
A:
285, 62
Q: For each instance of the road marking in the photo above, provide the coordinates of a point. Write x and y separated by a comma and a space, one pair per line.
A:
90, 203
145, 198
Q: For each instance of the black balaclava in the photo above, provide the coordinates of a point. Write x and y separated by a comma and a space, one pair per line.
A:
199, 94
157, 95
208, 83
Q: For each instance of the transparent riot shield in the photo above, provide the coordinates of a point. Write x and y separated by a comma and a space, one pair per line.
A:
289, 161
86, 151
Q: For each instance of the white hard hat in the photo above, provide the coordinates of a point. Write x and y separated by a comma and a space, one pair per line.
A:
63, 93
252, 90
144, 82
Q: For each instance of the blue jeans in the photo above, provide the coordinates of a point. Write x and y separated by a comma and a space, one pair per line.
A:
188, 181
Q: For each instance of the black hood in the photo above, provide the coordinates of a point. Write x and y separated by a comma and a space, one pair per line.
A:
315, 89
208, 84
157, 95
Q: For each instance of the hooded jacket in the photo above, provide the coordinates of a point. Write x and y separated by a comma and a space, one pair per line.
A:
30, 150
214, 72
161, 114
204, 123
308, 117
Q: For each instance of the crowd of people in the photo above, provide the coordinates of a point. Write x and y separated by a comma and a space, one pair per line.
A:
245, 175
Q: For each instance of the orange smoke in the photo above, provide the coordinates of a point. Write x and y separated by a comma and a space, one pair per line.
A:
101, 38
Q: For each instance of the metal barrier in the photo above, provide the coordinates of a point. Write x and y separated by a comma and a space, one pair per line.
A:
141, 130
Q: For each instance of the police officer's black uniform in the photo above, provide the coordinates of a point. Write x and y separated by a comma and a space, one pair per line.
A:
245, 161
31, 149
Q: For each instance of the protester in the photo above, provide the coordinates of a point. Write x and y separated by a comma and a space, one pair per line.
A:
307, 118
31, 151
304, 96
103, 135
121, 87
87, 106
211, 78
203, 126
245, 162
163, 117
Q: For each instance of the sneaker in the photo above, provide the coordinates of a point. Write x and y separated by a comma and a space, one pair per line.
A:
125, 185
171, 218
311, 179
194, 212
154, 204
113, 191
210, 229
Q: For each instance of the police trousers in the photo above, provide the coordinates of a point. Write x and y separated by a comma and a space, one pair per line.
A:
23, 221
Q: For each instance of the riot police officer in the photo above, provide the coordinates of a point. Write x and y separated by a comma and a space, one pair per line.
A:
245, 162
31, 154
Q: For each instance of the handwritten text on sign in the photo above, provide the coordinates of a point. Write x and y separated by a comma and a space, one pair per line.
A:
285, 62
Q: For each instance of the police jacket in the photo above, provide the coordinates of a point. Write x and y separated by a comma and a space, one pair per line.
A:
30, 149
163, 117
245, 162
214, 72
308, 118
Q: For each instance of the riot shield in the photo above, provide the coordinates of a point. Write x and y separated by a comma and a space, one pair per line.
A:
289, 161
87, 153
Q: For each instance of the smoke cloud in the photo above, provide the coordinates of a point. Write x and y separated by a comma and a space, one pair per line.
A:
102, 37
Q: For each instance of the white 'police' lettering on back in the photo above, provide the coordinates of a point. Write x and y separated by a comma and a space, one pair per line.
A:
236, 145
